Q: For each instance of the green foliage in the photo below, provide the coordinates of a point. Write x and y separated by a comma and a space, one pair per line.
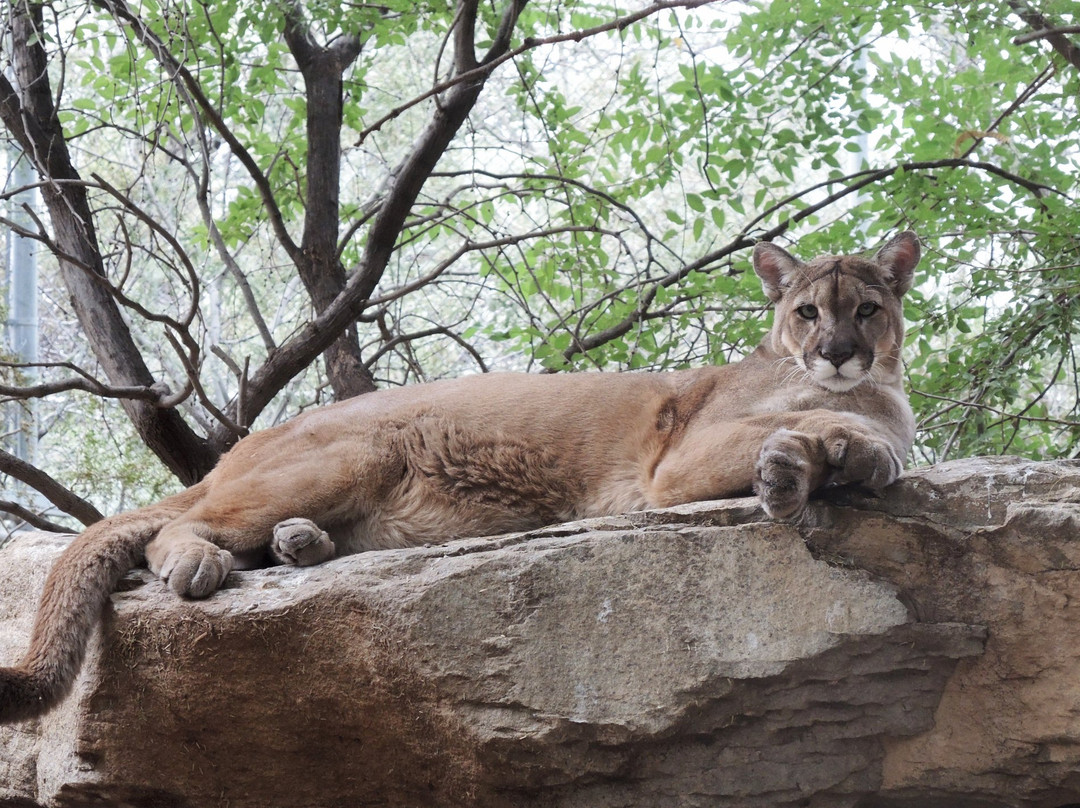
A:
598, 207
721, 125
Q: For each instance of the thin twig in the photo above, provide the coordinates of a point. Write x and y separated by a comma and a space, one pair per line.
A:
531, 43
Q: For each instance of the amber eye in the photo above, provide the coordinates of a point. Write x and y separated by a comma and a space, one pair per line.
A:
807, 312
867, 309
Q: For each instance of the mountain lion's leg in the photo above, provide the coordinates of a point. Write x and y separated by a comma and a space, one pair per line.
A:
713, 462
782, 457
195, 556
782, 465
857, 453
822, 447
274, 503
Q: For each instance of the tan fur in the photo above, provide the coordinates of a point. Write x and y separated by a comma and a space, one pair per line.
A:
819, 401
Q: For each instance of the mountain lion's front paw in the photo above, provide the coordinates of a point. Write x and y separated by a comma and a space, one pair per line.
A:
301, 542
195, 568
861, 459
785, 472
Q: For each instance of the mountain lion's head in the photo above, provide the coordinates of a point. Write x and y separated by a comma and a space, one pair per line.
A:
839, 316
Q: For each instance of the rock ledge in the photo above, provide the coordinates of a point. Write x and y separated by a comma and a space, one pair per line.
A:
918, 649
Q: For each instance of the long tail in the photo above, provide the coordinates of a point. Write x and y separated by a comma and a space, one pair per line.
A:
76, 590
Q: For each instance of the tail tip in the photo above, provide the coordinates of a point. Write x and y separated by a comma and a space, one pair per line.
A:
24, 695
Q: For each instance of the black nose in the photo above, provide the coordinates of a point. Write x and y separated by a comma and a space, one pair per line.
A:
837, 354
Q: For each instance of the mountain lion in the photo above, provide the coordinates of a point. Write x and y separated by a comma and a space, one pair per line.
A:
820, 401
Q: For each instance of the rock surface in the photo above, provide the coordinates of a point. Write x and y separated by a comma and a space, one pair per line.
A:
919, 649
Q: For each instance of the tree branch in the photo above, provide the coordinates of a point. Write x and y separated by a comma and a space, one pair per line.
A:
411, 174
84, 383
1043, 29
1023, 39
745, 239
28, 111
53, 491
403, 188
191, 91
31, 518
319, 261
493, 58
434, 331
170, 239
556, 179
465, 249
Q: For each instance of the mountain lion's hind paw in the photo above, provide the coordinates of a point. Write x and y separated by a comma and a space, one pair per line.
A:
301, 543
195, 568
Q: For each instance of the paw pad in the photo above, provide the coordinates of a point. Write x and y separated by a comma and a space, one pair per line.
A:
783, 474
301, 543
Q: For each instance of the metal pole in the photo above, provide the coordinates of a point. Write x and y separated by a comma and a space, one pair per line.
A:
23, 301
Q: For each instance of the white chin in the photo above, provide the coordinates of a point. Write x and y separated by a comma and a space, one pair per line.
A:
838, 383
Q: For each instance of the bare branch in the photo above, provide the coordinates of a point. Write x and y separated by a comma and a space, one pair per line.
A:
860, 179
555, 179
1003, 414
53, 491
191, 368
88, 269
495, 58
84, 383
1045, 30
1044, 33
435, 331
31, 518
227, 258
465, 249
154, 225
1022, 98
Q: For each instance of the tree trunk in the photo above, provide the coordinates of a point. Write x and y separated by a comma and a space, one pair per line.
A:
28, 112
408, 179
319, 265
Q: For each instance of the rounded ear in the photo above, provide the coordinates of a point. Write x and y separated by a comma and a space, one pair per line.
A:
898, 258
774, 266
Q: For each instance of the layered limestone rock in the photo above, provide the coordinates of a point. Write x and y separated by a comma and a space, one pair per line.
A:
918, 649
